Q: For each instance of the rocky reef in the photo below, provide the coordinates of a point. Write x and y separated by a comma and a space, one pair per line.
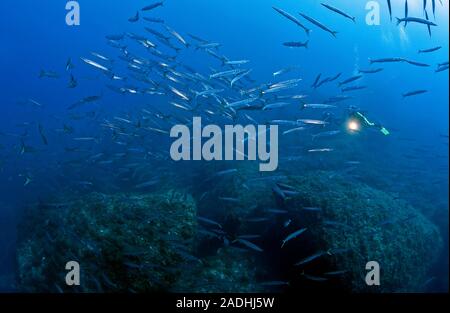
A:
348, 224
123, 242
126, 243
365, 224
153, 241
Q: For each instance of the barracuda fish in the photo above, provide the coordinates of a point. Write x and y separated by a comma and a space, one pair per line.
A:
285, 83
229, 199
442, 68
334, 77
177, 36
274, 283
208, 233
293, 97
321, 150
84, 101
85, 139
311, 209
326, 134
292, 19
147, 184
226, 73
42, 134
159, 35
72, 82
353, 88
279, 88
197, 38
157, 130
238, 62
120, 119
386, 60
248, 244
257, 219
179, 93
316, 81
215, 55
208, 221
240, 103
96, 65
414, 93
208, 92
35, 102
327, 80
350, 80
239, 77
226, 172
314, 278
415, 20
293, 130
428, 26
276, 105
69, 65
208, 45
293, 235
276, 211
283, 71
285, 187
102, 57
313, 122
278, 192
153, 20
318, 24
285, 122
117, 37
329, 7
296, 44
48, 74
336, 273
311, 258
390, 9
371, 71
134, 18
406, 11
152, 6
417, 63
430, 50
433, 5
321, 106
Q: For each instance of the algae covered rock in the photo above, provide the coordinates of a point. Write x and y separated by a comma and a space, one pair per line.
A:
230, 270
357, 224
123, 243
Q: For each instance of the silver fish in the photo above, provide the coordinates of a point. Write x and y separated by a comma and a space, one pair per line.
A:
293, 235
318, 24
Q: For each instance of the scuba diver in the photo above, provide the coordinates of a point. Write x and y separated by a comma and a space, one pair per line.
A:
357, 120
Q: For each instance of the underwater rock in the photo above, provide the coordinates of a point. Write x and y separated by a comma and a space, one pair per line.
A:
348, 224
230, 270
357, 224
123, 243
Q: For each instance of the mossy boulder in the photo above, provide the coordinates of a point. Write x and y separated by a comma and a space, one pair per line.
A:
123, 242
229, 270
366, 224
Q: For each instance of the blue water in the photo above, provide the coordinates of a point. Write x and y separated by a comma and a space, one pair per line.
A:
34, 36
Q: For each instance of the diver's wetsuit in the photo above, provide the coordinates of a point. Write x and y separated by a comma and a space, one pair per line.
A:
365, 121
